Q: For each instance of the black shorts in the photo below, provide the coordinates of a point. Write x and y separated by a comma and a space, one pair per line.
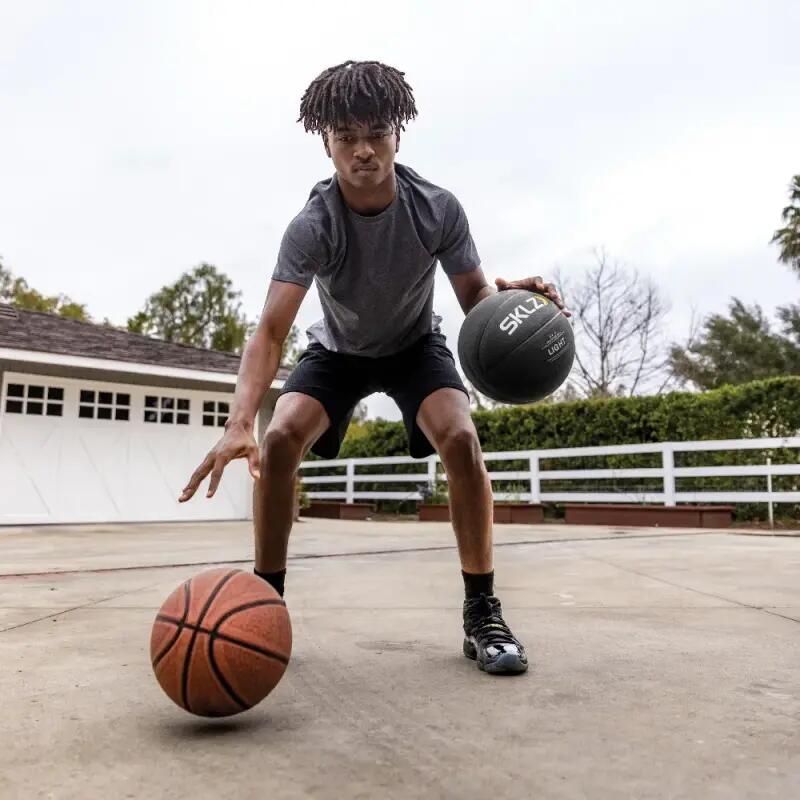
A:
339, 381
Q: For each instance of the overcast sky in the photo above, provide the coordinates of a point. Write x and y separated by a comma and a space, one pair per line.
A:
140, 138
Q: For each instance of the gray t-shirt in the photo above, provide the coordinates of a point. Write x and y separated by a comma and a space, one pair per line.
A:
375, 274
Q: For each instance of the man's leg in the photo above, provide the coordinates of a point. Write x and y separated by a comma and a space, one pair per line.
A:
297, 422
445, 419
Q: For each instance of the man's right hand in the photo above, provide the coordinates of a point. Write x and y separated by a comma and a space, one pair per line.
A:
237, 442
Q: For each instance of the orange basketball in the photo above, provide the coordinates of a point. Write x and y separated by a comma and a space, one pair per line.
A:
221, 642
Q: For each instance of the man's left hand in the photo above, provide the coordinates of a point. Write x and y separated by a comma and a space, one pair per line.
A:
537, 285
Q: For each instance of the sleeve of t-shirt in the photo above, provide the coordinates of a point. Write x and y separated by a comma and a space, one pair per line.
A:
299, 256
457, 251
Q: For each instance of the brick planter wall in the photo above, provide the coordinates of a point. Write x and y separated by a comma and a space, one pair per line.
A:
521, 513
335, 510
434, 512
688, 516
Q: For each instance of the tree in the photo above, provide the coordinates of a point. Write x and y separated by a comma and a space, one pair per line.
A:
567, 393
201, 309
291, 348
618, 320
740, 347
360, 412
16, 292
788, 237
790, 319
6, 283
478, 401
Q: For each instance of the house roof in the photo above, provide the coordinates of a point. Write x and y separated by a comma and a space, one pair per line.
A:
50, 333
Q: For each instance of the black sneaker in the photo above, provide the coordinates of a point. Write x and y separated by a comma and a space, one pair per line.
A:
487, 638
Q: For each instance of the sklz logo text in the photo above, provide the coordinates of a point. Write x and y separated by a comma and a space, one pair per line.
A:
512, 321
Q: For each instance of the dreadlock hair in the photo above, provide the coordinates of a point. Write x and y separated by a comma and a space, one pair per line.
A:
357, 91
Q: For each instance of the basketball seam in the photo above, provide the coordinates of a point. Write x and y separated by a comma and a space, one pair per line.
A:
179, 622
276, 601
270, 601
480, 342
214, 634
478, 364
171, 620
226, 687
262, 651
245, 606
464, 354
209, 600
511, 352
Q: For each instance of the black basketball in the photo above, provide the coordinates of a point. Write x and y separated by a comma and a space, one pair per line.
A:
516, 346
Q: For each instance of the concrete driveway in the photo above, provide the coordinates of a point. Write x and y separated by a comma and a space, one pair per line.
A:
665, 666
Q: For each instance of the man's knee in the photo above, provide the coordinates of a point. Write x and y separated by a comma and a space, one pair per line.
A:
459, 447
283, 445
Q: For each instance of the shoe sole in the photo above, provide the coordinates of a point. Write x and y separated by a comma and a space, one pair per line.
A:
506, 664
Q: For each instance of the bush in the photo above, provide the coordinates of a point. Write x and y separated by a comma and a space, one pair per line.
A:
303, 499
751, 410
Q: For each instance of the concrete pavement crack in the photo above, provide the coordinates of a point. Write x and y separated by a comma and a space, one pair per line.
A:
77, 608
389, 551
675, 585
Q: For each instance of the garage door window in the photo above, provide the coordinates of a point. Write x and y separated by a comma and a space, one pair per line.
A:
166, 410
215, 413
35, 400
104, 405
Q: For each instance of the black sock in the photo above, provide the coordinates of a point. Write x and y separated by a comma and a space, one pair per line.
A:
475, 585
274, 579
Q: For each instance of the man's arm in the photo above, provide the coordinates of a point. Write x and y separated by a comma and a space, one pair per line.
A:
258, 368
262, 353
471, 287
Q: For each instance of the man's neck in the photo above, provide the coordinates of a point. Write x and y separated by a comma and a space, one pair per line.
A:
369, 202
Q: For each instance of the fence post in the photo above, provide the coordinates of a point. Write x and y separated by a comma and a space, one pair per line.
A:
432, 471
668, 464
351, 471
770, 513
534, 479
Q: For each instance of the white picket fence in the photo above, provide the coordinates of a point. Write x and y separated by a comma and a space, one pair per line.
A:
534, 477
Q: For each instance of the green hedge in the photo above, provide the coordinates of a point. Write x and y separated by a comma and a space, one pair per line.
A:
753, 410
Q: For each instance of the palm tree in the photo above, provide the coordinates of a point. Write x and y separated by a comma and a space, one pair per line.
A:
788, 237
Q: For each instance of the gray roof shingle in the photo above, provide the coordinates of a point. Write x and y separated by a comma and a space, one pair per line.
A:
50, 333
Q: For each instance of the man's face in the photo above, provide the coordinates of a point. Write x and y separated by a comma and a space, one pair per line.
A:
363, 154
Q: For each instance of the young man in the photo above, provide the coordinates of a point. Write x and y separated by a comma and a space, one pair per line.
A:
370, 237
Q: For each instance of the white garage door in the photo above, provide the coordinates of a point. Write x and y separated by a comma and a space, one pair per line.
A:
85, 451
